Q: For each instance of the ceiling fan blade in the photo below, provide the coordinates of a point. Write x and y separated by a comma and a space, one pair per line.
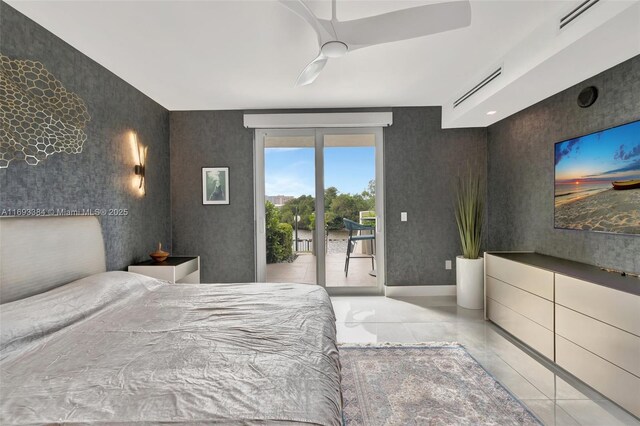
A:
311, 71
404, 24
322, 27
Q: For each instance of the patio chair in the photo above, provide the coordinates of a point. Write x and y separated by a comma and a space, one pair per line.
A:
355, 235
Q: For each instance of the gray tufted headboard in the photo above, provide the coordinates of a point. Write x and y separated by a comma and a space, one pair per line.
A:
41, 253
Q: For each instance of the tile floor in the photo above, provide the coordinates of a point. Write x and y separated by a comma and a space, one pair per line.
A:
555, 397
303, 270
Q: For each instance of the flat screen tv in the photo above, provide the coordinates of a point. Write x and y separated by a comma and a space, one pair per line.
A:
597, 181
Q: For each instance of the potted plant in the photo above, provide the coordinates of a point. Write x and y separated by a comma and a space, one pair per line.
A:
469, 212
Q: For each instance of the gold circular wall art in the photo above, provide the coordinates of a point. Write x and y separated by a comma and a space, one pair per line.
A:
39, 116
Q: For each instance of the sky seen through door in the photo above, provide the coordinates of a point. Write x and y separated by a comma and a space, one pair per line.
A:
291, 171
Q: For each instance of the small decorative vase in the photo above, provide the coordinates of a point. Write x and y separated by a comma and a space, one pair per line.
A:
470, 282
159, 255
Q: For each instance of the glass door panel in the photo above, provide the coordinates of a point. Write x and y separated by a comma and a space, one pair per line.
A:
350, 209
289, 182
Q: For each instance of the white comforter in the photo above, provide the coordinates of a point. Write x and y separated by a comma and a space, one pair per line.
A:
121, 347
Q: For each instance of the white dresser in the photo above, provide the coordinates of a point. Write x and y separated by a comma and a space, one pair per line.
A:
519, 298
585, 320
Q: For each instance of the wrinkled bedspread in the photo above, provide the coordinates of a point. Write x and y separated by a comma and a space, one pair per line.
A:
121, 347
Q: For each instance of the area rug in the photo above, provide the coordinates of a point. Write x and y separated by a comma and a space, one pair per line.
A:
426, 384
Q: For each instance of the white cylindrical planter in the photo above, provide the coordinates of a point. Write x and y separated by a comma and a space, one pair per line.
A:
470, 282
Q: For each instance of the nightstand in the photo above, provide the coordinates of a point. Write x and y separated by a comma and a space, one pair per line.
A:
176, 269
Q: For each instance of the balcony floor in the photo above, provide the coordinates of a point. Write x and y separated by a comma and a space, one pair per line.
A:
303, 270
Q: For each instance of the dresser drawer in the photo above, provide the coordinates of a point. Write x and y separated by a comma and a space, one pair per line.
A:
613, 307
185, 269
529, 305
618, 385
530, 332
534, 280
616, 346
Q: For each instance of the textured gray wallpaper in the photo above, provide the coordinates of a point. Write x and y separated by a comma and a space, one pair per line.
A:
100, 176
422, 161
222, 235
521, 169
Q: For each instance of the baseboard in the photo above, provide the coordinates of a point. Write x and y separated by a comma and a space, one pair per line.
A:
420, 290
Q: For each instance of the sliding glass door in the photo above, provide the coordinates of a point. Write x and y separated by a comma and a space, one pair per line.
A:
319, 209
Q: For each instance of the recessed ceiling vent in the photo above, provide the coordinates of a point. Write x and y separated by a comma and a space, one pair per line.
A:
582, 8
488, 79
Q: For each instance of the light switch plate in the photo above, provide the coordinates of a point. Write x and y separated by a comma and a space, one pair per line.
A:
403, 216
447, 264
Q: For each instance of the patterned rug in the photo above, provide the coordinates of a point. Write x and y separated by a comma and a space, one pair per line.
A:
426, 384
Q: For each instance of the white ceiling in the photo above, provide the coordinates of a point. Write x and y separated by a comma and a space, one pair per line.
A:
195, 55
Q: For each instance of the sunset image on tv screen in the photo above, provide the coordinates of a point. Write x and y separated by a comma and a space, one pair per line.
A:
597, 181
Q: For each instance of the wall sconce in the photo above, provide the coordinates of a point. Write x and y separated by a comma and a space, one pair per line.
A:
139, 169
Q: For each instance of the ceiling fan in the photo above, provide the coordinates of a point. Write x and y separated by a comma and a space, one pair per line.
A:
336, 38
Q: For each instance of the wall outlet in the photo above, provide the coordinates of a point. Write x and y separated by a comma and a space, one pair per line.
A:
403, 216
447, 264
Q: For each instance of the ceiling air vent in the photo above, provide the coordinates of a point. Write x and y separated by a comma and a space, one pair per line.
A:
569, 17
488, 79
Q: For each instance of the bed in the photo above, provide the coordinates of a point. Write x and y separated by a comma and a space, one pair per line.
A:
118, 347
